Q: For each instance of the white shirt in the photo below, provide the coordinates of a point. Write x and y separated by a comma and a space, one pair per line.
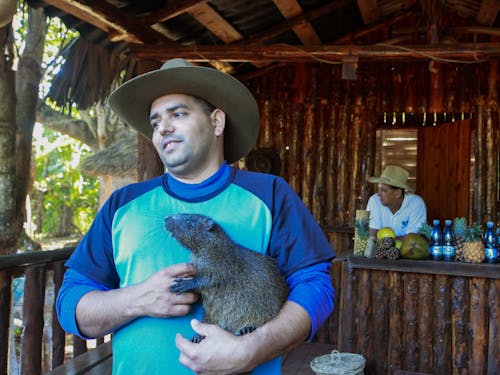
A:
408, 219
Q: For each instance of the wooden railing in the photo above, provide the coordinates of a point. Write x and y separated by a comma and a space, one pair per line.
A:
39, 269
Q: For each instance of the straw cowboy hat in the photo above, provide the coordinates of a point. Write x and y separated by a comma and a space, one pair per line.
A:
394, 176
132, 101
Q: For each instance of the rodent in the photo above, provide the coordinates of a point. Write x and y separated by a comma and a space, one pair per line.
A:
240, 289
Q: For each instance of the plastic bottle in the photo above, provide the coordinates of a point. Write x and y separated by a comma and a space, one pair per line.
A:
436, 241
448, 244
490, 246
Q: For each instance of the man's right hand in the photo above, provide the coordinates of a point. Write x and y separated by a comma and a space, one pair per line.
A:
100, 312
154, 297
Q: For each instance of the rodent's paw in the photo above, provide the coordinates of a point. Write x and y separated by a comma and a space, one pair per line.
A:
181, 285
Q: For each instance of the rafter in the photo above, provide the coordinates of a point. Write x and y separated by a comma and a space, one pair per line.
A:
109, 19
304, 31
488, 12
369, 10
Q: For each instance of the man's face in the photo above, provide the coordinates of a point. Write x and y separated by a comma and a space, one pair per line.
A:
388, 195
184, 133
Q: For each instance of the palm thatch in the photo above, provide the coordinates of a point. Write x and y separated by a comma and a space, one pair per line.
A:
118, 160
88, 74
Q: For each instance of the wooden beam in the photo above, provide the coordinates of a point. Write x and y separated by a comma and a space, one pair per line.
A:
369, 10
304, 31
214, 22
333, 53
173, 9
488, 12
300, 19
110, 19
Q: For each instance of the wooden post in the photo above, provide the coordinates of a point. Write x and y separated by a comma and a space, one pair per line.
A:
58, 335
5, 302
31, 342
494, 327
442, 324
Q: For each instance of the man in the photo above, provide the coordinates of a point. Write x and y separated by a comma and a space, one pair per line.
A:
118, 278
392, 207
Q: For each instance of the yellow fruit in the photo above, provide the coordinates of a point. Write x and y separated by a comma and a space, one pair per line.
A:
385, 232
414, 246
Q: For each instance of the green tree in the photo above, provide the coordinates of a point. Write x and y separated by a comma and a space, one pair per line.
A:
64, 200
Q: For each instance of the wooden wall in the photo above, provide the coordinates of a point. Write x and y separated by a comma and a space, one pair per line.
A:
323, 127
431, 317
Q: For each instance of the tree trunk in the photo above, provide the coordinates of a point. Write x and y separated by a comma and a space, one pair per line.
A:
28, 79
10, 223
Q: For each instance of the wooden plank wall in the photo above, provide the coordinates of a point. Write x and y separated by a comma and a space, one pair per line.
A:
429, 323
323, 127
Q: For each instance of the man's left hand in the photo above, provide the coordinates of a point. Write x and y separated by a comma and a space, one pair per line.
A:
220, 352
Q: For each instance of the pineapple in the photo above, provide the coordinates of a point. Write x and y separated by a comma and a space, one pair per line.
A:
361, 234
425, 230
473, 250
459, 231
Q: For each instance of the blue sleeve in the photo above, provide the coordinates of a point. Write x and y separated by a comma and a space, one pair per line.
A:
74, 287
312, 289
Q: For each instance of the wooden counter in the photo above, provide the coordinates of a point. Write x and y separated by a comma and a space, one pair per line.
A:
420, 315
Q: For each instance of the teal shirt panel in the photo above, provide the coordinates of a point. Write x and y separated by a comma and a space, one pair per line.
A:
142, 246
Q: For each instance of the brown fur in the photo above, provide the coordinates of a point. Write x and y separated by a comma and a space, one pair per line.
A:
240, 288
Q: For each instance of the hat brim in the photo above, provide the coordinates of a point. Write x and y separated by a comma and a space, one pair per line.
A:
391, 182
132, 102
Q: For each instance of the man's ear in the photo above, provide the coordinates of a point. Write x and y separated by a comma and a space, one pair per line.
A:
218, 120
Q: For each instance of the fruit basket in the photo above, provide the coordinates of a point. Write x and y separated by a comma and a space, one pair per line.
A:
337, 363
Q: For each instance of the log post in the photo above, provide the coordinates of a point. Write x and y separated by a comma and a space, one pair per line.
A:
31, 342
478, 303
494, 327
5, 303
58, 334
395, 344
442, 324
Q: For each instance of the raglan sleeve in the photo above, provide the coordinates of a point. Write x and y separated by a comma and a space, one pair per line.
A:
90, 267
304, 256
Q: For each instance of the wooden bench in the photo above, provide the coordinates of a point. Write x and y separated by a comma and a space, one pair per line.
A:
94, 362
99, 361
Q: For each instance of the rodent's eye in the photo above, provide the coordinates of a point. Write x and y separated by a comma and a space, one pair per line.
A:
188, 221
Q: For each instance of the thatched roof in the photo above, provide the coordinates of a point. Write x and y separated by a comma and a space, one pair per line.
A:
119, 159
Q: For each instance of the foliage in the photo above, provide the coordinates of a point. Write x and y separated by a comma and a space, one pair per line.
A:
59, 184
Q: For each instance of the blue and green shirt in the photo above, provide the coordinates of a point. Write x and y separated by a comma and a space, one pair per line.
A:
127, 243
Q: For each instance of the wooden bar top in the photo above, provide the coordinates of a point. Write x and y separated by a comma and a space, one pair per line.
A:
483, 270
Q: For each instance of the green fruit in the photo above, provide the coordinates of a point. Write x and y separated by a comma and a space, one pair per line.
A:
414, 246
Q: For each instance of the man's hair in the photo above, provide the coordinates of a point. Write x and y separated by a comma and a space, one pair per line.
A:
205, 105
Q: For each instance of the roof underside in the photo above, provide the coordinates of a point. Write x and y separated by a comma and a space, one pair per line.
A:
247, 37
